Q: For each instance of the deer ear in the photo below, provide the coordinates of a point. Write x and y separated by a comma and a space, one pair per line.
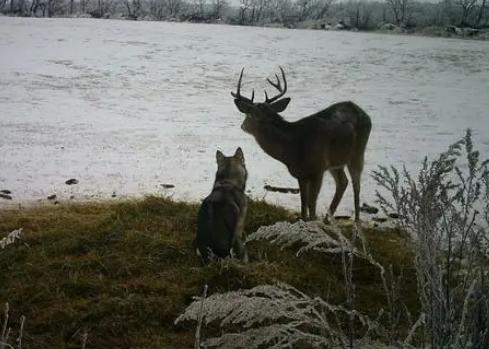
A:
239, 154
219, 156
243, 106
280, 105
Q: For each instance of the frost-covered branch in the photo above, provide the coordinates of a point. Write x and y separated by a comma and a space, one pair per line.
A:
273, 315
316, 236
11, 238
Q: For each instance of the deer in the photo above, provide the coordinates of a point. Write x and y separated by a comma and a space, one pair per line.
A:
328, 140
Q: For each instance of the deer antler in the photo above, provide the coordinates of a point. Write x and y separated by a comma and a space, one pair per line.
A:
278, 86
238, 91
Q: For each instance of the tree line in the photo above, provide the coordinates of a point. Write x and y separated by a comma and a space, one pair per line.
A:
349, 14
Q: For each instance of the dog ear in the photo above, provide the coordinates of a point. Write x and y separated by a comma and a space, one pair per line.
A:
239, 154
219, 156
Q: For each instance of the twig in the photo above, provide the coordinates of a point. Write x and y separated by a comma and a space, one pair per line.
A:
201, 318
421, 321
22, 320
85, 338
3, 338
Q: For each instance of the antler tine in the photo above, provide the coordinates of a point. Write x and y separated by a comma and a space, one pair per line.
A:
283, 76
238, 90
278, 86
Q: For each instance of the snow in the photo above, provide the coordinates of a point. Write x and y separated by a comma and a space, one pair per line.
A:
126, 106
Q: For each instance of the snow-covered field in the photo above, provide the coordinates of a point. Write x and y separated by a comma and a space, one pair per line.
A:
126, 106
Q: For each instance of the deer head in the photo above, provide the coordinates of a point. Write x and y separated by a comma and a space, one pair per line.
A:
258, 114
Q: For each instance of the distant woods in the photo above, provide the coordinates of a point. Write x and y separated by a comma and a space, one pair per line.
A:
402, 15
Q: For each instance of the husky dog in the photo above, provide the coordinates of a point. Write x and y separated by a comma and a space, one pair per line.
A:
222, 213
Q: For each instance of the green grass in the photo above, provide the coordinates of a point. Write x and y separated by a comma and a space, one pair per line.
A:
124, 271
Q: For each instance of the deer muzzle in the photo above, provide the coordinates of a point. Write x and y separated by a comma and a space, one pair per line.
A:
245, 126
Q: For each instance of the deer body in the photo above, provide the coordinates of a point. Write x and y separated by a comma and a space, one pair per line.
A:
329, 140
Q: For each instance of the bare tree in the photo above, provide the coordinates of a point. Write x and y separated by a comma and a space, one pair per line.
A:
22, 7
467, 8
305, 9
18, 7
312, 9
483, 14
106, 8
173, 7
320, 8
156, 9
244, 6
48, 7
284, 10
482, 11
84, 5
360, 13
218, 8
55, 7
402, 10
133, 8
199, 9
100, 8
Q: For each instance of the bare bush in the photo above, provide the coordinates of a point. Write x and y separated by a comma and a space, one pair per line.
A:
446, 210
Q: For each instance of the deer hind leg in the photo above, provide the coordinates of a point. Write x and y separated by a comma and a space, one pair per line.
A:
355, 170
341, 181
304, 191
315, 184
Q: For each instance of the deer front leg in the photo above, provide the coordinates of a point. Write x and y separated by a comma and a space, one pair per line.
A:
341, 182
304, 191
314, 189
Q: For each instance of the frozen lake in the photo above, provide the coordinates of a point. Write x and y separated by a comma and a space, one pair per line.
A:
125, 106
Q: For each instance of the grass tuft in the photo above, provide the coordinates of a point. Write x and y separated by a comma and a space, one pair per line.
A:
123, 272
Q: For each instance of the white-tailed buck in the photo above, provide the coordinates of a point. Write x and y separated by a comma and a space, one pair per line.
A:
328, 140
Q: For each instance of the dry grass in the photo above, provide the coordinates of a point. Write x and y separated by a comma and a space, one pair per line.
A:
124, 271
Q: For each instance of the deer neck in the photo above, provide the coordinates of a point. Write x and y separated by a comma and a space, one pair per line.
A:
276, 139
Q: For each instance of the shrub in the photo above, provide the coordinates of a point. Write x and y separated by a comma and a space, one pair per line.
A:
446, 210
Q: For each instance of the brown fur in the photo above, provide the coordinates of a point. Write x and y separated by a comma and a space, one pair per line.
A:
328, 140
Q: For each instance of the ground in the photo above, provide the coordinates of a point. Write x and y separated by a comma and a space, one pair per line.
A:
124, 271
